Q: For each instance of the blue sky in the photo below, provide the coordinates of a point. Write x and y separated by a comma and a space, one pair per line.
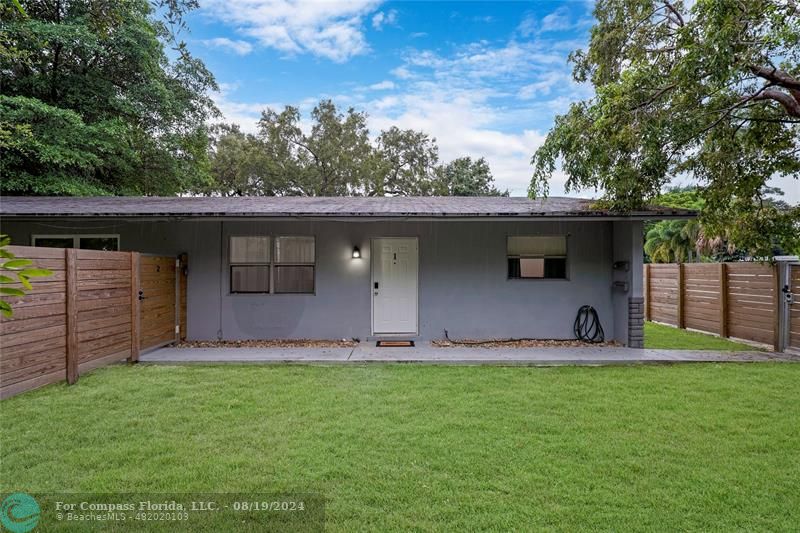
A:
483, 78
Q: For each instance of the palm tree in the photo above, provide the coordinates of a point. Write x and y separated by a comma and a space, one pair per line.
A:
673, 241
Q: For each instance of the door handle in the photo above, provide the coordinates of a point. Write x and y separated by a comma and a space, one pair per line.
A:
141, 295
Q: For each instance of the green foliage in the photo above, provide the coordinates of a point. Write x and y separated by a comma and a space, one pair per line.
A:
239, 165
405, 164
672, 241
50, 150
336, 157
91, 104
711, 91
16, 271
465, 177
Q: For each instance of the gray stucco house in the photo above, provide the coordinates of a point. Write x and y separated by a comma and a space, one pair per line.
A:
332, 268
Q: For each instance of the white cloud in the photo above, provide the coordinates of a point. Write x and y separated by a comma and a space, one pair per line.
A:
483, 99
402, 73
382, 86
333, 30
558, 20
484, 60
463, 125
544, 85
238, 47
381, 19
528, 25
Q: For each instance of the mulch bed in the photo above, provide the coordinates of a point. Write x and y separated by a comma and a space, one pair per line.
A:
501, 343
269, 343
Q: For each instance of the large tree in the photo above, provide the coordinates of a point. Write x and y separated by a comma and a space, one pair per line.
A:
467, 177
710, 91
90, 103
336, 156
332, 159
405, 164
239, 165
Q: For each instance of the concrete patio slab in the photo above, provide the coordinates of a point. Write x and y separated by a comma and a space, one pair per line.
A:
426, 353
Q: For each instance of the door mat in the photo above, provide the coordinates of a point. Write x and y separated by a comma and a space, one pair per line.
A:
395, 344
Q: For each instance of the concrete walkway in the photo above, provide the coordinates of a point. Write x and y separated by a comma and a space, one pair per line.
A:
425, 353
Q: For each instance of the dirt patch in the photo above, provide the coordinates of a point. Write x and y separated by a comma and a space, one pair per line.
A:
521, 343
269, 343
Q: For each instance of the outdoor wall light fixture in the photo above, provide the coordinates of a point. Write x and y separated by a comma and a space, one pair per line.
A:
356, 253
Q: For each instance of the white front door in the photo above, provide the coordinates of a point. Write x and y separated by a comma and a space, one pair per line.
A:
394, 285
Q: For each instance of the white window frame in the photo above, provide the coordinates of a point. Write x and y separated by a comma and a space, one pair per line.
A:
273, 262
566, 277
76, 238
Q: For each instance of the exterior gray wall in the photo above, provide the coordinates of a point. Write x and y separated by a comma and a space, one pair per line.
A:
463, 285
628, 247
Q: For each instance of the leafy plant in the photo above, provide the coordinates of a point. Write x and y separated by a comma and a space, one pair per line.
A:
101, 97
337, 156
15, 270
708, 90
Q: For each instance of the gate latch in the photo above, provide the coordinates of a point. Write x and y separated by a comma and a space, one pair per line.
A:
141, 294
787, 294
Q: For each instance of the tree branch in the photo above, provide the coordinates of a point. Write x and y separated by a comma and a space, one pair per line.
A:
675, 12
791, 105
780, 78
660, 92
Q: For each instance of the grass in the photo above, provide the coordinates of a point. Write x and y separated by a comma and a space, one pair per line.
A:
670, 338
397, 447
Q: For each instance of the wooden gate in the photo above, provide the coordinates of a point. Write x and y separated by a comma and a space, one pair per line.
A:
793, 281
159, 297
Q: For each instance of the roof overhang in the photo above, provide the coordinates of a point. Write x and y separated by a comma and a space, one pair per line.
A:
355, 218
323, 208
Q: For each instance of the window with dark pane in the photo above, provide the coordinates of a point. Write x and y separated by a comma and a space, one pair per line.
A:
294, 264
84, 242
294, 279
249, 278
249, 258
537, 257
54, 242
108, 244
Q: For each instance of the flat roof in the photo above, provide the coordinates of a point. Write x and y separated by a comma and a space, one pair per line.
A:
295, 206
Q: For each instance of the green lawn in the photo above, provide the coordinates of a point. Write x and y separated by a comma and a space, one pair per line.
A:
669, 338
396, 447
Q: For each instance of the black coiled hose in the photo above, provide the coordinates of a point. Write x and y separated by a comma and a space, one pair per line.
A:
587, 325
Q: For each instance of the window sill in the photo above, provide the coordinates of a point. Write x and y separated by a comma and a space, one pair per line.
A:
538, 279
271, 293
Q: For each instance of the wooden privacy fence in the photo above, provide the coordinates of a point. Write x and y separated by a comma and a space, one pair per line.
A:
729, 299
793, 310
86, 315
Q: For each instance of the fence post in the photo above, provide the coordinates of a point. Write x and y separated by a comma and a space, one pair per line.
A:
681, 321
71, 266
134, 308
647, 292
776, 311
723, 300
